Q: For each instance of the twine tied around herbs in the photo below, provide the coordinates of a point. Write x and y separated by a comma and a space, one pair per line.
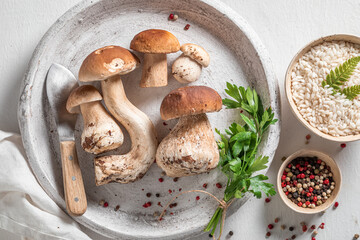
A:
222, 204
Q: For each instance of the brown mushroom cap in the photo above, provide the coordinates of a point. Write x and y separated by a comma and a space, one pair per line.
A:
155, 41
190, 100
106, 62
81, 95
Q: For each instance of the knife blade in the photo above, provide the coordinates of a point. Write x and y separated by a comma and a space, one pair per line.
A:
59, 84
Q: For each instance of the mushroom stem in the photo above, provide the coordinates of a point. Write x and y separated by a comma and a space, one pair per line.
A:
133, 165
154, 72
190, 148
101, 133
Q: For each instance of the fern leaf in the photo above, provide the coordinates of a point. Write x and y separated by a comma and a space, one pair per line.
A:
341, 74
351, 92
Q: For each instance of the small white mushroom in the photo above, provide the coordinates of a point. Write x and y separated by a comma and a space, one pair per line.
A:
187, 67
186, 70
108, 64
190, 148
155, 44
100, 133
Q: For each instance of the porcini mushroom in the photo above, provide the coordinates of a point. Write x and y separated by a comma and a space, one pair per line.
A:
155, 44
108, 64
190, 148
100, 133
187, 67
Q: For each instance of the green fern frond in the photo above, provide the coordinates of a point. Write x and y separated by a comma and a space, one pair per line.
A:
351, 92
341, 74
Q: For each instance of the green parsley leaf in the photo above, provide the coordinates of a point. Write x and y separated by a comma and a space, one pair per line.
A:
257, 186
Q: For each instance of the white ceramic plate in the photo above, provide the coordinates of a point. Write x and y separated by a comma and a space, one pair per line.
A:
237, 56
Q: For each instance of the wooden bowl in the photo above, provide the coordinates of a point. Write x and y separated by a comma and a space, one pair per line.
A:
337, 37
336, 176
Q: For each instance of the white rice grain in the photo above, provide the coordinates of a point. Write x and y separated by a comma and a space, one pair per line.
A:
332, 114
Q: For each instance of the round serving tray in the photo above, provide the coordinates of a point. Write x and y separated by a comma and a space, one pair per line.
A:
237, 56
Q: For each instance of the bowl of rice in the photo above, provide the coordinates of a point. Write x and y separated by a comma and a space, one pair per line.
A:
323, 110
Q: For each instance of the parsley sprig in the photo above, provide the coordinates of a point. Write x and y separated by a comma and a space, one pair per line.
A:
340, 75
238, 149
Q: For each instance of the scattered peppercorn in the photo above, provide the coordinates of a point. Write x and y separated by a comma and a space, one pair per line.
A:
283, 227
304, 228
276, 220
175, 179
267, 200
268, 234
313, 227
315, 233
356, 236
171, 16
161, 179
218, 185
157, 195
293, 236
197, 198
308, 137
205, 185
313, 238
176, 17
101, 202
187, 26
283, 158
106, 204
170, 191
322, 225
148, 194
336, 204
117, 207
270, 226
343, 145
231, 233
291, 228
173, 205
146, 205
180, 189
210, 235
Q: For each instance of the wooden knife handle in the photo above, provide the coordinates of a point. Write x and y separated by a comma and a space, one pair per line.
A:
75, 197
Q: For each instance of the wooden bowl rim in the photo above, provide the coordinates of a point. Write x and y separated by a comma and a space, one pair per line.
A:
335, 37
334, 169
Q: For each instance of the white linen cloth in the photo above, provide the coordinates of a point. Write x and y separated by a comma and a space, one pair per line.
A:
25, 208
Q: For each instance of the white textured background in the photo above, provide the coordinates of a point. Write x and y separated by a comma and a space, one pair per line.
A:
284, 26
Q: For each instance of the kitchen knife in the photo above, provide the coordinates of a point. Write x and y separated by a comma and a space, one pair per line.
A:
59, 83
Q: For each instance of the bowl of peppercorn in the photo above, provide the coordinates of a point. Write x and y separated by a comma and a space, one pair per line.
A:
309, 181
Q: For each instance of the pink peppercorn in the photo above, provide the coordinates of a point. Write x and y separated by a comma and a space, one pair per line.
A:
336, 204
218, 185
197, 198
343, 145
171, 16
187, 26
267, 200
270, 226
106, 204
161, 179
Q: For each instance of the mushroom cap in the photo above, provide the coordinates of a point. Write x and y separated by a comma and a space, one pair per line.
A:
186, 70
197, 53
81, 95
106, 62
155, 41
190, 100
